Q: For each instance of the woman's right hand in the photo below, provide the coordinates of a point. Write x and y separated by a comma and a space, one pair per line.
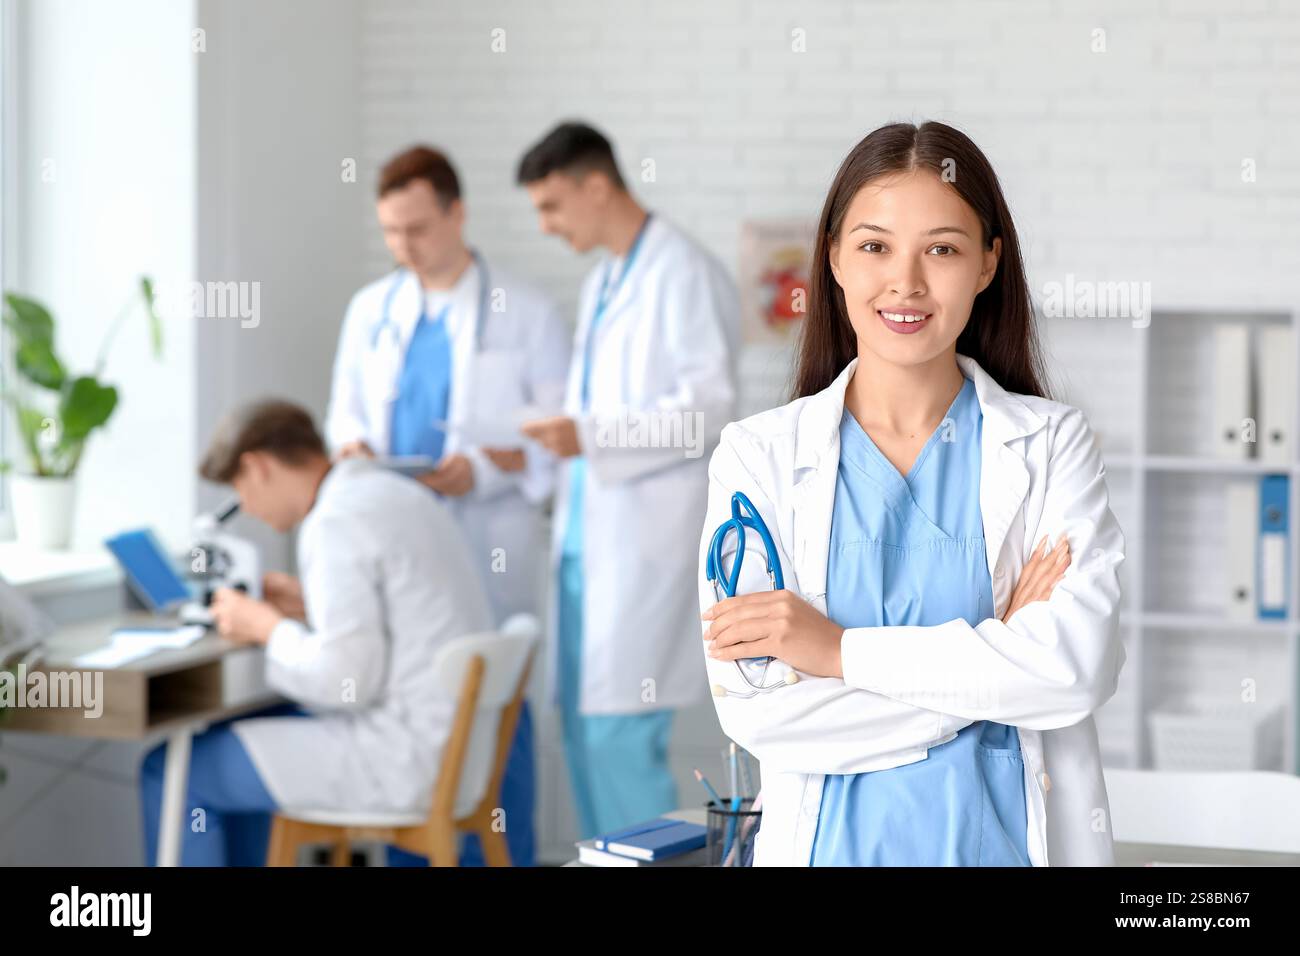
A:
1040, 575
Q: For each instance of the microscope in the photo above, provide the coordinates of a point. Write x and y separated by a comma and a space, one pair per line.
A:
220, 559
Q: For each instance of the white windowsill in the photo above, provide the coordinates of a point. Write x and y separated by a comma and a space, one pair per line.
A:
35, 571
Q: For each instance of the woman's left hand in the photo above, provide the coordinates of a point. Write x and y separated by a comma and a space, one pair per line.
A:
776, 624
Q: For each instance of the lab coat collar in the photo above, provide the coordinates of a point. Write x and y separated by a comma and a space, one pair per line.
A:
1003, 487
1006, 417
657, 233
409, 301
464, 300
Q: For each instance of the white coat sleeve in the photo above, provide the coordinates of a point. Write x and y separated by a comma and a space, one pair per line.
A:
339, 660
551, 347
819, 724
1056, 661
345, 419
692, 317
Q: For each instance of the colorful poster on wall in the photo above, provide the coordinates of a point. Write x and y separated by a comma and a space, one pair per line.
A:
774, 259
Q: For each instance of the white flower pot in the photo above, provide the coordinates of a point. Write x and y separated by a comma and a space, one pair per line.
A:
42, 510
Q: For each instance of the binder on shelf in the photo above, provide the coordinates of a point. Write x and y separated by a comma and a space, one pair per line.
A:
1277, 397
1241, 536
1274, 531
1232, 404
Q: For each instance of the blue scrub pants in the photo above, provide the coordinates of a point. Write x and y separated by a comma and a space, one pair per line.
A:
235, 825
518, 797
618, 764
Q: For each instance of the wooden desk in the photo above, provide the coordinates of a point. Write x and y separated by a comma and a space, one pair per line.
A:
176, 693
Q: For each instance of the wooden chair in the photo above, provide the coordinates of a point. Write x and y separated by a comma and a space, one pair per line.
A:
491, 671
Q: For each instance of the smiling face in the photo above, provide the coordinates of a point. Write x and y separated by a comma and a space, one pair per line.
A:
910, 259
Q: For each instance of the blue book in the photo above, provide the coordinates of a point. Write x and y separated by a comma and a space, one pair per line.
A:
638, 829
654, 839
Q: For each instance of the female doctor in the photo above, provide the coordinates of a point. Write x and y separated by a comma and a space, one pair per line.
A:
933, 671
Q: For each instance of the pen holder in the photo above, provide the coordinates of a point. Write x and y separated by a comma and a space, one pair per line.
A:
731, 833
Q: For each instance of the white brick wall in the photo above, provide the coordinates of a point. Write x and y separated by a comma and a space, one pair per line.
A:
1119, 164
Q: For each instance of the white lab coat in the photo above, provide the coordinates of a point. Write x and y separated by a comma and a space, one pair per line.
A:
665, 344
906, 689
522, 363
386, 582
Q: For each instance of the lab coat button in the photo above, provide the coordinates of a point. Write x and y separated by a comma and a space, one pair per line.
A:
1047, 782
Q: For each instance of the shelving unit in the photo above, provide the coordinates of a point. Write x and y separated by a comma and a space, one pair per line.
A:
1146, 392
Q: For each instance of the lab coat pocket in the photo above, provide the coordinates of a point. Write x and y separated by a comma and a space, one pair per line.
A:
999, 740
1003, 812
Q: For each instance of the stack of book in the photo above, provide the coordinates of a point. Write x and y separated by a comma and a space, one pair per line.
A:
659, 842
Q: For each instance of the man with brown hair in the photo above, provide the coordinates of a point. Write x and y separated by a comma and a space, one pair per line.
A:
385, 581
651, 386
440, 359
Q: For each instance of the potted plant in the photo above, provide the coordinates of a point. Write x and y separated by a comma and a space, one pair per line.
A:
56, 412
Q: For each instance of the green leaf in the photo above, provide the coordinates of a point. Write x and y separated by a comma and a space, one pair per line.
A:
29, 319
36, 361
86, 405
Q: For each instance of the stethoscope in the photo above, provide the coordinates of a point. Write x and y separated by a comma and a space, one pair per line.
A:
386, 320
602, 300
727, 583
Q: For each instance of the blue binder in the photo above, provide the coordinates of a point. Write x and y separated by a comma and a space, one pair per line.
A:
1273, 573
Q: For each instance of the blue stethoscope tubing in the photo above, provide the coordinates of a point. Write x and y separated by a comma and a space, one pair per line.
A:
738, 522
386, 321
743, 515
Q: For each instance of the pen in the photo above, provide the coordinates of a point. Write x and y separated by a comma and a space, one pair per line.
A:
709, 787
735, 806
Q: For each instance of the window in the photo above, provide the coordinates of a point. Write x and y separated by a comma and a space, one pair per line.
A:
8, 205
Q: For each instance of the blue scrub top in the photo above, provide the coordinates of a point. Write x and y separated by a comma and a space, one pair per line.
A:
424, 389
910, 551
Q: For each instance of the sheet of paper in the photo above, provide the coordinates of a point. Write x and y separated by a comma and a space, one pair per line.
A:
495, 432
108, 657
131, 644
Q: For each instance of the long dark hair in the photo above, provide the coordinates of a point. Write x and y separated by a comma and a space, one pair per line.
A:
1000, 335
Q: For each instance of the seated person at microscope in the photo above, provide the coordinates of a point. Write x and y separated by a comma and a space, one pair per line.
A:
386, 580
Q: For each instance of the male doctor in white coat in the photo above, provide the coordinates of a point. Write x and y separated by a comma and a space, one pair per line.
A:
650, 387
386, 581
434, 357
